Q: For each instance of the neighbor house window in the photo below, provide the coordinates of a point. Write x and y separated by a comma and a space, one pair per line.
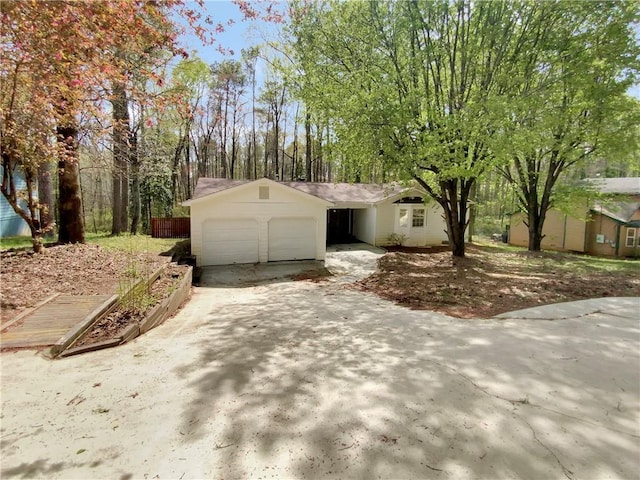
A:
404, 217
418, 217
263, 193
631, 237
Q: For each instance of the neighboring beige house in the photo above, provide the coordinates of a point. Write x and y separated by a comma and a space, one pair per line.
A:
247, 221
611, 228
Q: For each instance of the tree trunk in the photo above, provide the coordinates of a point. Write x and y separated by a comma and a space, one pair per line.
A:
71, 227
120, 185
276, 134
294, 158
535, 221
225, 126
35, 225
116, 202
234, 141
318, 173
455, 232
535, 239
134, 161
453, 197
10, 192
307, 148
45, 199
124, 192
472, 211
175, 170
187, 166
265, 172
253, 125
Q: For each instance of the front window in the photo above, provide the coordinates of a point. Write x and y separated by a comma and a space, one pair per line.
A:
404, 217
631, 237
418, 217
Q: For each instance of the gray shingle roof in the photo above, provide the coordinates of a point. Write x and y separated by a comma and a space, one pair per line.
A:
620, 211
628, 185
337, 193
207, 186
349, 192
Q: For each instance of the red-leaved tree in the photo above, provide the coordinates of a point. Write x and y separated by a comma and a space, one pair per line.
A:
59, 63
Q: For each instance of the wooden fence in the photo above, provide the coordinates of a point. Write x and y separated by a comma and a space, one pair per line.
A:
179, 227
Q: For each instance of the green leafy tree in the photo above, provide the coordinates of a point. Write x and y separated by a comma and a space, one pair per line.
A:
568, 104
414, 88
191, 82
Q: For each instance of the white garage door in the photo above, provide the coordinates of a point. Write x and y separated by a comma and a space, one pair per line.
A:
229, 241
292, 239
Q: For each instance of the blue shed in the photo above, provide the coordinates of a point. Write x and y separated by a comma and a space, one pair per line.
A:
11, 224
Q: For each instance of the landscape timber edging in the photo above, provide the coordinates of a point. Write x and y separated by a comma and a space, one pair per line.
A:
79, 329
72, 336
112, 342
169, 305
156, 316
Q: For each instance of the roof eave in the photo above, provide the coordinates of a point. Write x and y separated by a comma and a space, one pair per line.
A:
400, 194
352, 205
610, 215
259, 181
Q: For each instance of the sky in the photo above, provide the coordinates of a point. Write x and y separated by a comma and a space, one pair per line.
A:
241, 35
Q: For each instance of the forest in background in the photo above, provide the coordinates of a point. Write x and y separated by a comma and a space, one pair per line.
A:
129, 129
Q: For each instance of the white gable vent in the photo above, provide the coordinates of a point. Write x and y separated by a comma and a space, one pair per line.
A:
263, 193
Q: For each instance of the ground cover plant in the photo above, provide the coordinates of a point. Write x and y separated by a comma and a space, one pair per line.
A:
135, 306
496, 278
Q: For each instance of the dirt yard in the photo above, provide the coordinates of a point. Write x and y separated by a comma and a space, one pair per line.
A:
489, 281
27, 279
493, 280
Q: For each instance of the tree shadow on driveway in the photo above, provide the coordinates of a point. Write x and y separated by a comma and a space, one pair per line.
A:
302, 380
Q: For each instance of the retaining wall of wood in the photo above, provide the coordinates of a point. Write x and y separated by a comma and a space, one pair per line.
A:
155, 317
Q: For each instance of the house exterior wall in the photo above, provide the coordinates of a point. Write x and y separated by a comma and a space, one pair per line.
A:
611, 233
433, 232
518, 233
364, 224
244, 203
385, 216
561, 232
553, 231
575, 234
607, 229
629, 251
437, 227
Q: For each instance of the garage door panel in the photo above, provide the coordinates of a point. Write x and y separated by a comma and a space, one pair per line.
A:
228, 241
225, 233
292, 239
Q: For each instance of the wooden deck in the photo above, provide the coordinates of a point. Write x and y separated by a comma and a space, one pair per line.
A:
49, 322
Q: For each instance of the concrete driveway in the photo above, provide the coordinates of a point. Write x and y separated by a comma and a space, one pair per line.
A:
316, 380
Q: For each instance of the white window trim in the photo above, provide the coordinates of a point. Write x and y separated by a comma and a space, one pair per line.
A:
630, 239
403, 217
424, 217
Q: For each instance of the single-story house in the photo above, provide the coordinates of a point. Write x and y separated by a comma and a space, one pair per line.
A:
247, 221
609, 228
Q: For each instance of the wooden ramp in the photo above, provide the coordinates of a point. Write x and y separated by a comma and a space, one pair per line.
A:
51, 321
